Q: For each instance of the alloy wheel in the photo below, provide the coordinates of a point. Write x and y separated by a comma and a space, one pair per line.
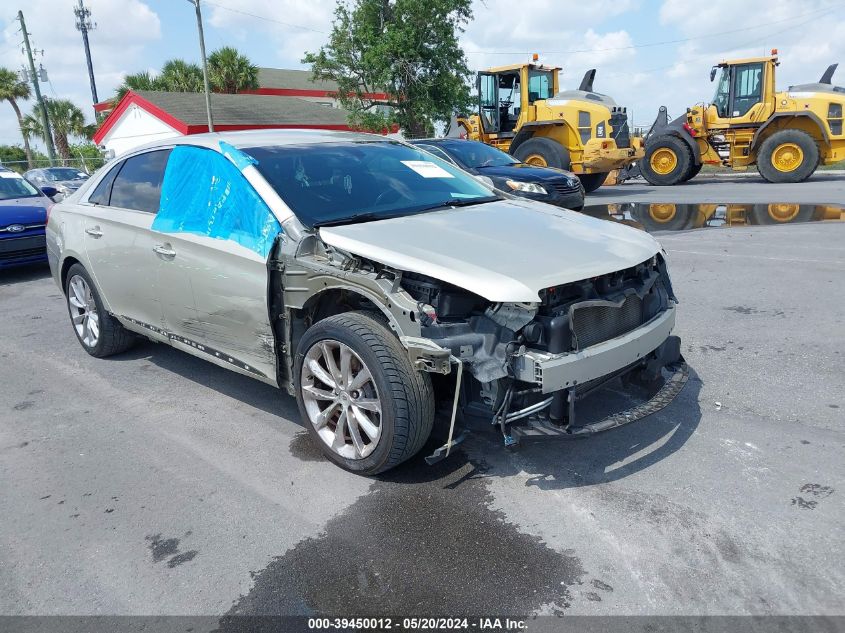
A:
341, 399
83, 311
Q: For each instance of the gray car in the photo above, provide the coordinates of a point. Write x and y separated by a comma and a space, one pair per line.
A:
65, 180
370, 280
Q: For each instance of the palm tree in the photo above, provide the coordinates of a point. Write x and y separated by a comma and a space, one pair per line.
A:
66, 120
229, 71
178, 75
138, 81
12, 89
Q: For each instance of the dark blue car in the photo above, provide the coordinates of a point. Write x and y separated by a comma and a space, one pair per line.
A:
506, 173
23, 215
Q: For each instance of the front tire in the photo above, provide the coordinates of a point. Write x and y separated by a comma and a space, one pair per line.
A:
592, 182
667, 161
788, 156
99, 333
363, 402
543, 152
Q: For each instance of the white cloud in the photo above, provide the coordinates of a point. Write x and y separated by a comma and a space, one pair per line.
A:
296, 27
808, 35
117, 47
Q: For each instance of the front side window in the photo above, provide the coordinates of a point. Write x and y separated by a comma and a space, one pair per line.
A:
13, 186
205, 194
345, 182
540, 84
138, 184
723, 93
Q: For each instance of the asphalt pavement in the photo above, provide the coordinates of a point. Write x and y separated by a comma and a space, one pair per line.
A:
156, 483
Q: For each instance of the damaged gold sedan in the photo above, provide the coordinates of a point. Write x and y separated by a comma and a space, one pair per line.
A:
370, 280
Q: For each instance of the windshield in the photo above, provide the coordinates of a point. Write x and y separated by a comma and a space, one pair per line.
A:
13, 186
63, 173
336, 183
720, 99
474, 154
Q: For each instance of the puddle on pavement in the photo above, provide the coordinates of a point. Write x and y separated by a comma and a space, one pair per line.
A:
670, 216
424, 537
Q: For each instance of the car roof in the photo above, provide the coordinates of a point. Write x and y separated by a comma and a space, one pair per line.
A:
264, 138
448, 142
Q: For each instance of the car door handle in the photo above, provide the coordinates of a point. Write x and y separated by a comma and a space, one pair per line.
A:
94, 232
165, 250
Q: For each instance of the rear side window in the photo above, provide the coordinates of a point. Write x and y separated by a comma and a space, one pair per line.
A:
102, 192
138, 184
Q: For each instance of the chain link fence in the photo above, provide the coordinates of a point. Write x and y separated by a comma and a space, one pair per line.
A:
88, 164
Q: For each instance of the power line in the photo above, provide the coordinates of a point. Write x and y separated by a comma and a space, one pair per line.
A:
815, 13
264, 18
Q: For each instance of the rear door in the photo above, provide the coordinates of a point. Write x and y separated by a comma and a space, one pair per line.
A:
118, 240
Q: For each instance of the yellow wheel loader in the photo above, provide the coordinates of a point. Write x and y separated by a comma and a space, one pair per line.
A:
786, 134
521, 110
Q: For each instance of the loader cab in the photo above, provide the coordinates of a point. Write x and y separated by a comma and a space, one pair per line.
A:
507, 94
744, 92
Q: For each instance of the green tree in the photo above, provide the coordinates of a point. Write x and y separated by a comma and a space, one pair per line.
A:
137, 81
229, 71
178, 75
406, 48
66, 120
14, 157
12, 89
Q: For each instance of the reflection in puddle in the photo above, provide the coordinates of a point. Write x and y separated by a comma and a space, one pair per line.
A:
670, 216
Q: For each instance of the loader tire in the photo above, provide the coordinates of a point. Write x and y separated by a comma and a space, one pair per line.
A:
667, 161
543, 152
693, 172
592, 182
788, 156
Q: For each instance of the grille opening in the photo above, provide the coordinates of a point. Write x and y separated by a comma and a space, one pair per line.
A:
592, 324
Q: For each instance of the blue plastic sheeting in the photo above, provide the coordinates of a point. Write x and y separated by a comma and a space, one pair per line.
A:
205, 194
238, 158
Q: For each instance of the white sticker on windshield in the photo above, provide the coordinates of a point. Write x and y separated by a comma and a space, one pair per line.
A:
8, 174
427, 169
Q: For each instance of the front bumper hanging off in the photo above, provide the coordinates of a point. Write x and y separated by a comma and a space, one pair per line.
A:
538, 427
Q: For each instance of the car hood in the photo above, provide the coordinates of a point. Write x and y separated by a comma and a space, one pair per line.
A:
506, 250
524, 173
23, 211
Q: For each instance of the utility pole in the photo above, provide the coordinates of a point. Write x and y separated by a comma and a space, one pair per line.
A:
196, 4
83, 25
45, 119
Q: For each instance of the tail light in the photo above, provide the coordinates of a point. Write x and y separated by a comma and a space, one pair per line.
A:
49, 208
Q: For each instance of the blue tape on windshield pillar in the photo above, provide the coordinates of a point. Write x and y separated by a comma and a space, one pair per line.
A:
205, 194
238, 158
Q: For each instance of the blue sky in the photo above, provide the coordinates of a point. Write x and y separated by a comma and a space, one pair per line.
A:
648, 52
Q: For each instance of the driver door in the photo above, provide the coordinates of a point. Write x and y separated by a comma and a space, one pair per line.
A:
488, 102
747, 83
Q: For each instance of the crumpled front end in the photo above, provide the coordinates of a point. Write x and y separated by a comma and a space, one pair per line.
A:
530, 363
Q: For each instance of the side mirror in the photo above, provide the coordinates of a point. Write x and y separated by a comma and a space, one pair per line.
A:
713, 73
49, 191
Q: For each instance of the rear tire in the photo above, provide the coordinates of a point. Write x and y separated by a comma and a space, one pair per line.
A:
667, 160
543, 152
788, 156
399, 414
592, 182
99, 333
